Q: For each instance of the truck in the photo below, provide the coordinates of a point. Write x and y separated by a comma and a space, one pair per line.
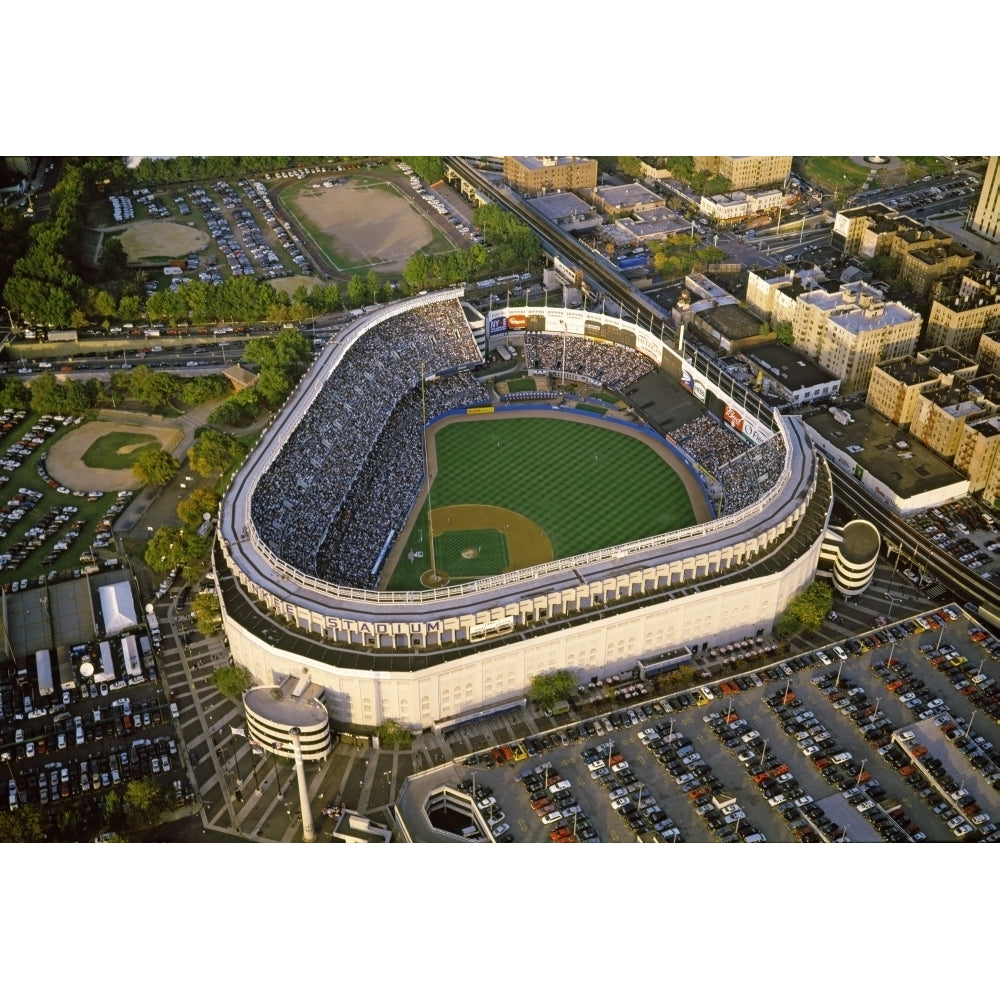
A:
43, 667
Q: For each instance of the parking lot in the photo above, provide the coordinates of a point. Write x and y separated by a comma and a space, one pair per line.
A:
817, 748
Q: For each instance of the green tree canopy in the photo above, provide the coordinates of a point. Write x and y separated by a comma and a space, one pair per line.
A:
195, 505
807, 612
546, 689
214, 453
23, 825
207, 613
232, 681
153, 386
155, 466
144, 800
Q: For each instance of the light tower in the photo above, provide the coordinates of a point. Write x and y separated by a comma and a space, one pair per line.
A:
308, 831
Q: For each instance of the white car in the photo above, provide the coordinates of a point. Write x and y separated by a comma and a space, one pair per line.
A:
555, 815
499, 831
485, 803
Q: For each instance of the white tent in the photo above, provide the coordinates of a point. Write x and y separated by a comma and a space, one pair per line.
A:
117, 607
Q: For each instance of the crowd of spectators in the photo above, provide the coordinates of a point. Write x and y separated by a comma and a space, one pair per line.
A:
382, 496
302, 492
595, 360
743, 471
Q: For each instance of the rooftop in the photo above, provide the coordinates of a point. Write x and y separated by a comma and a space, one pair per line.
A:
871, 442
858, 308
861, 541
540, 162
791, 369
927, 366
939, 254
623, 195
559, 206
287, 705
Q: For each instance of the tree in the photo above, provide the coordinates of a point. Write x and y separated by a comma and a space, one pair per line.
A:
207, 613
23, 825
232, 681
153, 386
783, 333
114, 259
14, 394
214, 453
202, 388
356, 290
104, 304
546, 689
391, 735
143, 801
195, 505
807, 612
155, 466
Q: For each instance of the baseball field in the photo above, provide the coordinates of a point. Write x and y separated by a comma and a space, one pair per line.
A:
513, 490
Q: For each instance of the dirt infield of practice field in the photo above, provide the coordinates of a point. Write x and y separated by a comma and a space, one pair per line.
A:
65, 465
526, 542
159, 238
364, 223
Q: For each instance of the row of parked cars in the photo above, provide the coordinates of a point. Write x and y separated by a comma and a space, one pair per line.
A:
837, 765
552, 800
629, 798
711, 802
489, 809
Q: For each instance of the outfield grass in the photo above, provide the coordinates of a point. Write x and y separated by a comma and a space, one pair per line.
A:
585, 485
107, 451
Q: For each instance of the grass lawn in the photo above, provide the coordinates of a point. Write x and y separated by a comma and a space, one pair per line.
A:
118, 450
522, 385
833, 173
585, 485
592, 408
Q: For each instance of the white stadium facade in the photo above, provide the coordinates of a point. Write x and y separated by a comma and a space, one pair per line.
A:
434, 657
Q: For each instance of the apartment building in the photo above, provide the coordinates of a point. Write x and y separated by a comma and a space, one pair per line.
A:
941, 413
927, 255
744, 172
963, 308
849, 330
543, 174
896, 385
978, 457
772, 291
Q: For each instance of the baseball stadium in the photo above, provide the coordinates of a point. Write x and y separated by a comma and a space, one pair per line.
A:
421, 537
